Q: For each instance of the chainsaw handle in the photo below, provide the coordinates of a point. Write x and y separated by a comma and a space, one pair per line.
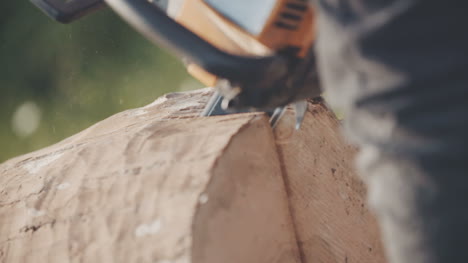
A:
158, 27
68, 11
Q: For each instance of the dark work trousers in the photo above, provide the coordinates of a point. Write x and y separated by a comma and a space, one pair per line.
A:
398, 70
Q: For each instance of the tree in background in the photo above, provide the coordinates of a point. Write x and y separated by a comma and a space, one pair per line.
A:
56, 80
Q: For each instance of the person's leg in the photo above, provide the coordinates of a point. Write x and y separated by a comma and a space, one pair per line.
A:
399, 71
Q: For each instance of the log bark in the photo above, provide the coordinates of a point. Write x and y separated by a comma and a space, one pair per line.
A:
159, 184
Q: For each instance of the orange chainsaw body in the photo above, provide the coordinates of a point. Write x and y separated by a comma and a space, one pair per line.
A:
290, 25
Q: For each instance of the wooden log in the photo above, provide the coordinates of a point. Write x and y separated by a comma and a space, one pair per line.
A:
159, 184
155, 184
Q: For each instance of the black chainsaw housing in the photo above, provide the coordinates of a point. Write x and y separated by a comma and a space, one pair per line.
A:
66, 11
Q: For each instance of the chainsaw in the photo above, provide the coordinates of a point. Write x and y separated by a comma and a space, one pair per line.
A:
258, 54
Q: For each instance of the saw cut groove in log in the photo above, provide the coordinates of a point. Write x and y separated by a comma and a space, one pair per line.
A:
159, 184
327, 199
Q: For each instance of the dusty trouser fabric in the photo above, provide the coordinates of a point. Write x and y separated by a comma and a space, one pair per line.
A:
398, 69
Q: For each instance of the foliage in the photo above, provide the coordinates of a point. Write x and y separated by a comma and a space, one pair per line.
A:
74, 75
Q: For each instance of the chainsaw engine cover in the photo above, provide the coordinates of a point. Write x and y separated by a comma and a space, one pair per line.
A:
252, 16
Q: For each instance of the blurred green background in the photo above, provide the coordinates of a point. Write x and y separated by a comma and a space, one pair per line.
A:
56, 79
